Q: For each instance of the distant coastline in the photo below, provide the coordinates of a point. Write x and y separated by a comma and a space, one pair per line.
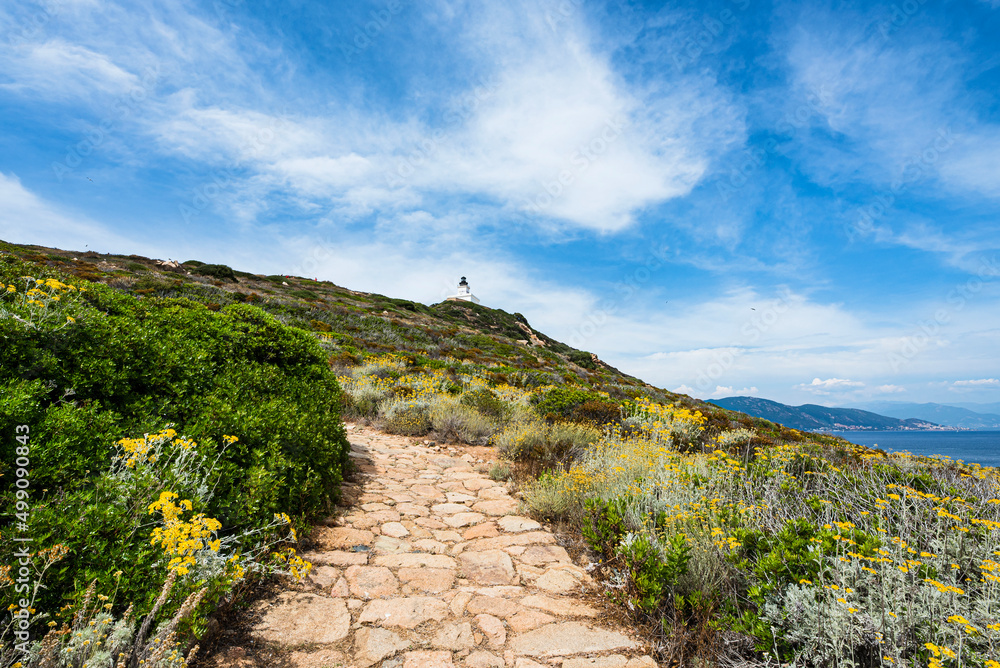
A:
853, 428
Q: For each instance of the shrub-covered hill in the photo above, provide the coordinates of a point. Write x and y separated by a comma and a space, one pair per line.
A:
491, 343
174, 409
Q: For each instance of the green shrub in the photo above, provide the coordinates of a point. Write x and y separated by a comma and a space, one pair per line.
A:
486, 402
219, 271
545, 445
500, 471
561, 401
597, 413
454, 421
407, 418
126, 366
582, 358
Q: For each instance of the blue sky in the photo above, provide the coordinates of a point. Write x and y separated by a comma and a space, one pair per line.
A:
798, 201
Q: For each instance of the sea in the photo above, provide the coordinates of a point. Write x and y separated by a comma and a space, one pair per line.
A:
981, 447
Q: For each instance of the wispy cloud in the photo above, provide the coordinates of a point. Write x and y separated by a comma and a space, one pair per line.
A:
980, 382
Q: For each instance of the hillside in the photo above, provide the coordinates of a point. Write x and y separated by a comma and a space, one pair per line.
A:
811, 417
160, 401
950, 416
501, 347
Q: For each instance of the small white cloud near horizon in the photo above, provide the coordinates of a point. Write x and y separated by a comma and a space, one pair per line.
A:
977, 383
724, 391
819, 386
890, 389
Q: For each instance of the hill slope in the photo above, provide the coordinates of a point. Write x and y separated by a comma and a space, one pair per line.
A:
811, 417
501, 347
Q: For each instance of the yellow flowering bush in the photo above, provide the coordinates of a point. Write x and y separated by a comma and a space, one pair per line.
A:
181, 539
38, 302
831, 552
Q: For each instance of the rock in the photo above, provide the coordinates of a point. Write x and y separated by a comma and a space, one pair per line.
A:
301, 619
337, 558
515, 524
412, 510
459, 497
371, 645
495, 507
427, 491
324, 576
525, 620
492, 567
447, 536
384, 516
390, 545
524, 662
449, 508
363, 522
455, 637
494, 492
321, 658
476, 484
612, 661
562, 581
394, 530
568, 638
341, 589
405, 612
458, 603
565, 607
416, 560
493, 628
428, 545
343, 538
484, 660
491, 605
459, 520
431, 580
428, 659
641, 662
484, 530
539, 555
500, 542
371, 581
430, 523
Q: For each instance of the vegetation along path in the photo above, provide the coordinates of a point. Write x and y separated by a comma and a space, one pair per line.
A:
433, 568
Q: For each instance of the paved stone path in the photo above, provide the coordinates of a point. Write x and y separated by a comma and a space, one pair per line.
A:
433, 568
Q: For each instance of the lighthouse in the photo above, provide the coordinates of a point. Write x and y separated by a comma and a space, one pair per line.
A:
464, 293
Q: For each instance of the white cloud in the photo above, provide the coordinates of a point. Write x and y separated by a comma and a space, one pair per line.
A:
981, 382
555, 134
828, 385
890, 389
721, 391
59, 70
907, 122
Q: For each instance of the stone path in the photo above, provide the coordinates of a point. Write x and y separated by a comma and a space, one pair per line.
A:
433, 568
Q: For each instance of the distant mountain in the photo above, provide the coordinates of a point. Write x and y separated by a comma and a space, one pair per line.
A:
993, 408
951, 416
810, 417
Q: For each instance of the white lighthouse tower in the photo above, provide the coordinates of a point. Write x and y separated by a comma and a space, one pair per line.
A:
464, 293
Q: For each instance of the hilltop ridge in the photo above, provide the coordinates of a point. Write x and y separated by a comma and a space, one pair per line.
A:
813, 417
